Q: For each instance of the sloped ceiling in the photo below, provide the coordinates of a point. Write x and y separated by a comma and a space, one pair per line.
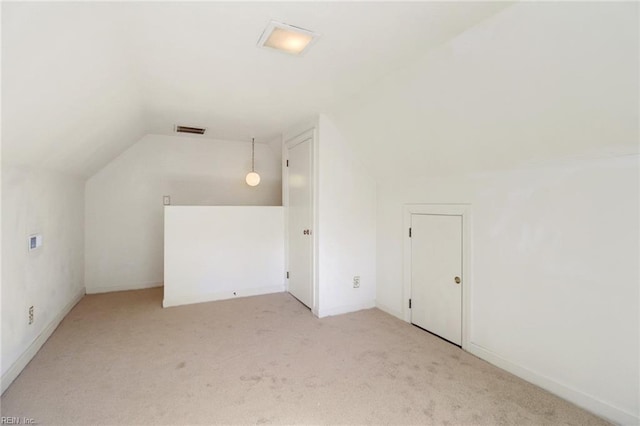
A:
539, 83
81, 82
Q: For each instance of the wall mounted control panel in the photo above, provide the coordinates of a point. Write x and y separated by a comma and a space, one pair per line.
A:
35, 241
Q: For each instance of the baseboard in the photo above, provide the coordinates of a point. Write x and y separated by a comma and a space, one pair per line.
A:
10, 375
393, 312
581, 399
339, 310
126, 287
212, 297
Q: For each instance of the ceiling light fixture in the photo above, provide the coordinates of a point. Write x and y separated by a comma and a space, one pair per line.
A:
287, 38
253, 179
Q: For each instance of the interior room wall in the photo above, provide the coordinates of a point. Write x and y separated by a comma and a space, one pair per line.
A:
124, 201
346, 225
222, 252
49, 278
554, 275
538, 130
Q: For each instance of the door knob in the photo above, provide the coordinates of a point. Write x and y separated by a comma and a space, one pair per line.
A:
457, 280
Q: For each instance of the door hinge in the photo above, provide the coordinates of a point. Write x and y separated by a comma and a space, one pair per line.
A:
287, 163
287, 274
409, 303
409, 232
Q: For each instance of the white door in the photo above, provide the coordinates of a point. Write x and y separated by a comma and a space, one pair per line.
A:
436, 275
300, 219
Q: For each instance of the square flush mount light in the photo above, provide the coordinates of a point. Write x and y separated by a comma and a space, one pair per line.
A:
287, 38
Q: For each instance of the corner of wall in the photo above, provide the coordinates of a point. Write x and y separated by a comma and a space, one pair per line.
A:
300, 127
16, 368
580, 398
37, 201
390, 311
346, 225
345, 309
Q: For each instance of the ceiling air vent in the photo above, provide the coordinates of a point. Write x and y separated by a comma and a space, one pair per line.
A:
190, 129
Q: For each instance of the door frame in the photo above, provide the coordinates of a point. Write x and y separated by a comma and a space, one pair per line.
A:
463, 210
311, 134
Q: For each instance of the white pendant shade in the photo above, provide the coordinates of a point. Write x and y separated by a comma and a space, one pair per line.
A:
253, 179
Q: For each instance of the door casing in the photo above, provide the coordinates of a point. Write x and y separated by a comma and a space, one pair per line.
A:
311, 134
463, 210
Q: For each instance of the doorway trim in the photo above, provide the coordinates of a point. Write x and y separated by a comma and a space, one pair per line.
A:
311, 133
463, 210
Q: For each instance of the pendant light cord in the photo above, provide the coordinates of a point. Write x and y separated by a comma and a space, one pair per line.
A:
253, 154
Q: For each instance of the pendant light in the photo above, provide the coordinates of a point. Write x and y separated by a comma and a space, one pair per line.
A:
253, 179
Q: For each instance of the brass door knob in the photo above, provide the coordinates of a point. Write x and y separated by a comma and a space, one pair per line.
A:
457, 280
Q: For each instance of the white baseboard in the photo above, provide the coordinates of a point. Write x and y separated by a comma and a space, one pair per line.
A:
10, 375
212, 297
339, 310
581, 399
126, 287
385, 308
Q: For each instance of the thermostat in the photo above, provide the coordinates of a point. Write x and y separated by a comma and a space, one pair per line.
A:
35, 241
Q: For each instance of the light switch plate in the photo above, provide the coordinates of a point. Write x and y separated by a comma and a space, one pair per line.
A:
166, 200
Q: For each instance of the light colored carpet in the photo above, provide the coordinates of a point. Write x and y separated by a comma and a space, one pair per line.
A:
120, 358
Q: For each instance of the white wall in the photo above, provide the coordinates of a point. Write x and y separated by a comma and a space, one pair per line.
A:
555, 240
346, 230
124, 210
49, 278
214, 253
554, 279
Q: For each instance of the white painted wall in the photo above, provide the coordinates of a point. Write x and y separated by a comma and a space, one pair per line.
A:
124, 210
346, 214
214, 253
49, 278
554, 276
555, 240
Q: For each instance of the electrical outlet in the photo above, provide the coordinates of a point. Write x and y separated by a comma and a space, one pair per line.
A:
30, 315
356, 281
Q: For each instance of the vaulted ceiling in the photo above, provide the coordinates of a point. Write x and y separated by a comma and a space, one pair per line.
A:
81, 82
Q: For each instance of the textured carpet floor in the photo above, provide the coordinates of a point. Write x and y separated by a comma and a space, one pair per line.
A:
120, 358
